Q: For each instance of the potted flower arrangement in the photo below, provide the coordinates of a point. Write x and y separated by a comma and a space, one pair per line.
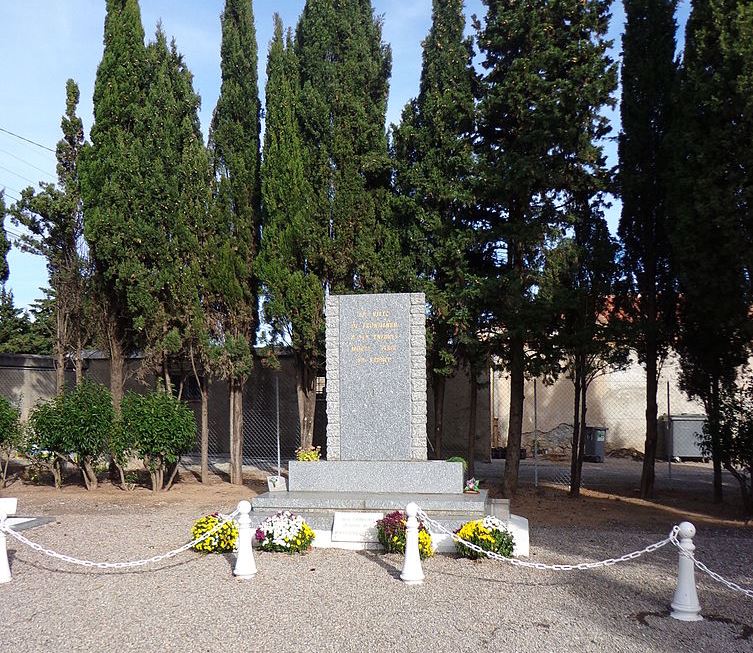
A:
391, 535
489, 533
471, 486
223, 540
284, 532
308, 453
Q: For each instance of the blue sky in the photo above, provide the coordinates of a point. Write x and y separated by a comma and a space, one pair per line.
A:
47, 41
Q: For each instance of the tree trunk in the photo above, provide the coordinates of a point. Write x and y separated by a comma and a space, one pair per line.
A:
472, 424
306, 391
89, 473
60, 340
582, 443
173, 473
79, 362
117, 369
236, 453
204, 387
577, 435
652, 381
515, 428
716, 441
439, 382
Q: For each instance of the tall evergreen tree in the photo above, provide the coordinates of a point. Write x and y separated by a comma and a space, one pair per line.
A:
547, 77
234, 144
294, 294
53, 218
710, 216
344, 72
112, 179
4, 243
648, 77
433, 158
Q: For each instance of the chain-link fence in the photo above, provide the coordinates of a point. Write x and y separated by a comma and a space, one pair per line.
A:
616, 401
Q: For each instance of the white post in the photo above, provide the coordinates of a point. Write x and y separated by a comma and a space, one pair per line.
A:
412, 573
4, 567
245, 566
685, 606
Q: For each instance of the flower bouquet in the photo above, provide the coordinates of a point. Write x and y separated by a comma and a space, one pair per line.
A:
303, 454
284, 532
391, 535
490, 533
223, 540
471, 486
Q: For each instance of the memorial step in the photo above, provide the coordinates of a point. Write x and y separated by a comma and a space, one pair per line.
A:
445, 503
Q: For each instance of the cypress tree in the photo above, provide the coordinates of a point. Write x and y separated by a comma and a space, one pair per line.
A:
648, 78
709, 216
112, 179
293, 291
344, 72
4, 243
547, 77
433, 158
54, 221
234, 145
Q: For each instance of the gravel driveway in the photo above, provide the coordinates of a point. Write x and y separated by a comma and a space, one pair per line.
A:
332, 600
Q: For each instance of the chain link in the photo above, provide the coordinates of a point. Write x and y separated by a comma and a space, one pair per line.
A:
717, 577
540, 565
116, 565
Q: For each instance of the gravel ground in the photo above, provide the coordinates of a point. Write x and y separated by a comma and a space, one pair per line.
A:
330, 600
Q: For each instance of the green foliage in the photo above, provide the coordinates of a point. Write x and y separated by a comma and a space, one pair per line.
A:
11, 435
159, 429
4, 242
305, 454
459, 459
222, 540
75, 427
711, 220
344, 69
19, 334
433, 158
234, 150
287, 263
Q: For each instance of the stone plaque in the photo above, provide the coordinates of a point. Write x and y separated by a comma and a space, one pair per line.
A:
375, 377
355, 526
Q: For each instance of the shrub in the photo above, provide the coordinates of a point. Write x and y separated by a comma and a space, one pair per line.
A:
489, 533
391, 535
73, 427
459, 459
284, 532
223, 540
308, 453
11, 435
160, 429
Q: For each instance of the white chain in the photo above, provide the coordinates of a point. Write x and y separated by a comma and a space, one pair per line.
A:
540, 565
116, 565
688, 554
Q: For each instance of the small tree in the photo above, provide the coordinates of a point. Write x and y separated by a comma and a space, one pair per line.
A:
10, 436
736, 438
160, 429
73, 427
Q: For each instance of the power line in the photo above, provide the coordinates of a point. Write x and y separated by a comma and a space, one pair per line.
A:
28, 140
31, 181
44, 172
15, 190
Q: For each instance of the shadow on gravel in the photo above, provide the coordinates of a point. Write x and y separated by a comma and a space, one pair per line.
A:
746, 632
379, 559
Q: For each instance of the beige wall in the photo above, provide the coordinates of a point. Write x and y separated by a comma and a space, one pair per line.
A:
616, 400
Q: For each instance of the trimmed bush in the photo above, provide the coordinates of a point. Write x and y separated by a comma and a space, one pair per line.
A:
159, 428
11, 435
73, 427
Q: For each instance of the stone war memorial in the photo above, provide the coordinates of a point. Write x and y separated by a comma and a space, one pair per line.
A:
376, 455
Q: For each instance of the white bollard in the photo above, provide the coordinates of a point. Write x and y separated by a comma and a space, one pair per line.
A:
4, 566
245, 566
412, 573
685, 605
